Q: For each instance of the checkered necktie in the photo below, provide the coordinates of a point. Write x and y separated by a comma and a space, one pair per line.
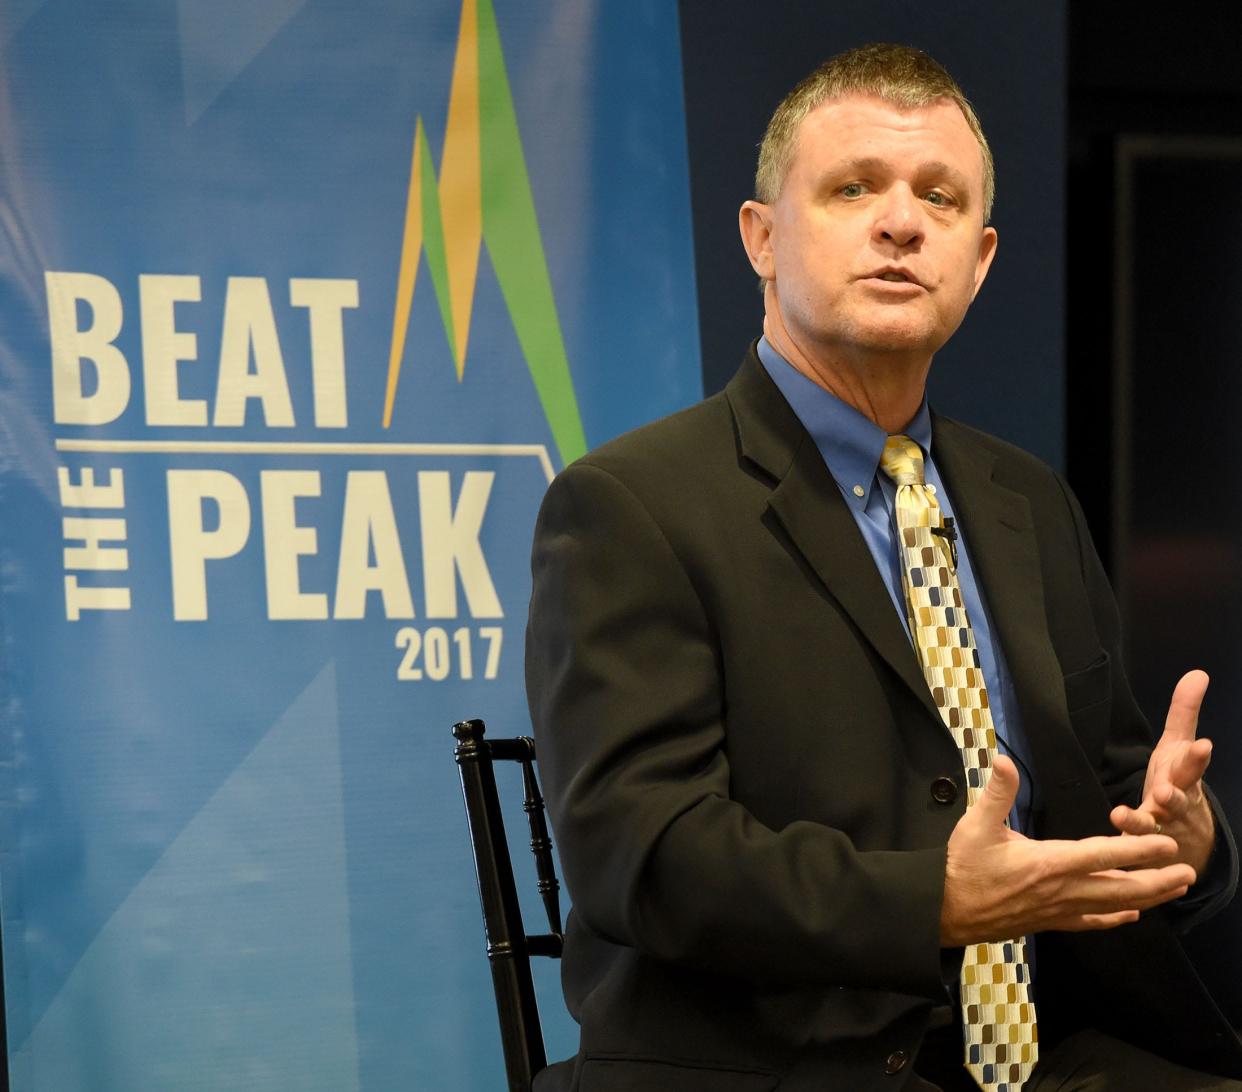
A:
998, 1015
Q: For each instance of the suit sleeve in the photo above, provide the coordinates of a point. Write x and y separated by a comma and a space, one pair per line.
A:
629, 708
1130, 742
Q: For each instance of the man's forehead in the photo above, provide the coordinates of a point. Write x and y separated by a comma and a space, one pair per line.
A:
852, 126
862, 113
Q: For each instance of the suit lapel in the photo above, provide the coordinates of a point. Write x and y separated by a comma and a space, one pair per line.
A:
999, 532
998, 529
810, 508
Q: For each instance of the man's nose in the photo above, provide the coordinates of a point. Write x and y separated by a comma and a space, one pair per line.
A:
899, 219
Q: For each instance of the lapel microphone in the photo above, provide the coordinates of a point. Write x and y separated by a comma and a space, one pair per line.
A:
949, 533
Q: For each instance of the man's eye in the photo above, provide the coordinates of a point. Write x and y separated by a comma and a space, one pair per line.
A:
853, 189
940, 200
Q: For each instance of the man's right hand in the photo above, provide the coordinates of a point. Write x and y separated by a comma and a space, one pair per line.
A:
999, 884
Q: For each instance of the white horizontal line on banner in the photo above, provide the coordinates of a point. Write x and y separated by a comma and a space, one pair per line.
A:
261, 447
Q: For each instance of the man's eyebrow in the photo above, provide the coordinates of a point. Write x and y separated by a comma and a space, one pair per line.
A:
860, 165
942, 170
932, 168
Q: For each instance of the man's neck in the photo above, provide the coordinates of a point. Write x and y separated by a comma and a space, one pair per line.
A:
886, 387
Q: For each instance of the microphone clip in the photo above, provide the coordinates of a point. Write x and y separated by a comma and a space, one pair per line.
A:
948, 535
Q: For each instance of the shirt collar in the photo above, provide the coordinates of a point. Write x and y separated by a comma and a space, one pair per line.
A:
850, 442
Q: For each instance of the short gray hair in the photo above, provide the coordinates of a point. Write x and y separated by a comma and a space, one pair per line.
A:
901, 75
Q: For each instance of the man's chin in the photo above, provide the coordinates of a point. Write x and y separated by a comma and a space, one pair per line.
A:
897, 338
905, 327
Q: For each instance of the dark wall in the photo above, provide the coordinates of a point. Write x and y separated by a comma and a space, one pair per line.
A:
1003, 370
1155, 219
1172, 74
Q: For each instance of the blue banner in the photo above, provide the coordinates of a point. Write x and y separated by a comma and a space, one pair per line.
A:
305, 301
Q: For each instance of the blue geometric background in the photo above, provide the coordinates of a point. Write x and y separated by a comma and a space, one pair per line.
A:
233, 852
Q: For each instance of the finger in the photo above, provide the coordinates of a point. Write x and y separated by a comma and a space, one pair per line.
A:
1134, 821
1189, 767
1101, 921
1114, 898
1169, 803
994, 805
1103, 852
1183, 719
1116, 892
1070, 923
1137, 883
1111, 896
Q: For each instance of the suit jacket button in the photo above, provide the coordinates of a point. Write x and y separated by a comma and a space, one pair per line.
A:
944, 790
896, 1062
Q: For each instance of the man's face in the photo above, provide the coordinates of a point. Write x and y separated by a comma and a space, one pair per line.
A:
876, 242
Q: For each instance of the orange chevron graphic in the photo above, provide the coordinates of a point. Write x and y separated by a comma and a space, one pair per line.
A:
482, 197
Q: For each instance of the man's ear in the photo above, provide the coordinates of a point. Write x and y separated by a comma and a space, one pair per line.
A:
987, 251
754, 220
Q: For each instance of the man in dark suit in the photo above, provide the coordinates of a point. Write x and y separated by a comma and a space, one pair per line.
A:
761, 816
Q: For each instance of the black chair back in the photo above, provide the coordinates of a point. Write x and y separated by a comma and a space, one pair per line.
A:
509, 947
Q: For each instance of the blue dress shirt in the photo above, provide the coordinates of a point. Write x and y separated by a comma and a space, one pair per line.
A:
851, 445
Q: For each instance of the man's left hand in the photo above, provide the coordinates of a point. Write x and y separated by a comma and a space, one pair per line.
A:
1174, 802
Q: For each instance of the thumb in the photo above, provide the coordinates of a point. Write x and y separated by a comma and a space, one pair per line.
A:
996, 801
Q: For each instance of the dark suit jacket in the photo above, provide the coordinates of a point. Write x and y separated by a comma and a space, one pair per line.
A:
751, 788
